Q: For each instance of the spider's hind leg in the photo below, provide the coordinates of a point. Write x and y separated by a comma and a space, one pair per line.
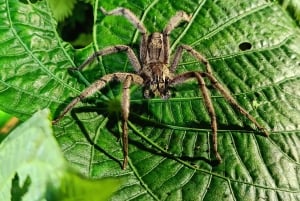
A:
128, 79
227, 95
111, 50
213, 80
194, 53
125, 113
207, 102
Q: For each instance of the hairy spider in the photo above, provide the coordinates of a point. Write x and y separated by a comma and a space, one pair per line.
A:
156, 74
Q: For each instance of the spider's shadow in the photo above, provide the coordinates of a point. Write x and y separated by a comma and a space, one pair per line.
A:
246, 127
144, 123
135, 118
74, 114
111, 126
138, 110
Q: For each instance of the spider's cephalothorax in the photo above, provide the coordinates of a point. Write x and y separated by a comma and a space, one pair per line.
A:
155, 73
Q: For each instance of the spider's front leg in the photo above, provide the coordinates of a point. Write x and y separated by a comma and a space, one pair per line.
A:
173, 23
133, 19
128, 15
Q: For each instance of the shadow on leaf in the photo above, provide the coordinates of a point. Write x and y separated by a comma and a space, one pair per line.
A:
17, 191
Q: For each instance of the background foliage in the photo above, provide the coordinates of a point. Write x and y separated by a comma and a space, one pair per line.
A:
170, 156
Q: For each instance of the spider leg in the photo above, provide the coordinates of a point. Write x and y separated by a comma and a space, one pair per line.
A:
114, 49
128, 15
214, 82
97, 85
208, 104
127, 78
173, 23
226, 94
190, 50
133, 19
125, 114
175, 20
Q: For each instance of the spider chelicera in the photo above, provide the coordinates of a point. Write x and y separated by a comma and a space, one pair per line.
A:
155, 72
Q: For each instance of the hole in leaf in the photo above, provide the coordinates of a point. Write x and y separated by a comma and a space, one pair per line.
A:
77, 28
245, 46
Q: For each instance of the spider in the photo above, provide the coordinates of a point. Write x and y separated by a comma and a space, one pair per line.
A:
156, 74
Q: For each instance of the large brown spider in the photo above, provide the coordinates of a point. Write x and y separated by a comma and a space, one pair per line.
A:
155, 73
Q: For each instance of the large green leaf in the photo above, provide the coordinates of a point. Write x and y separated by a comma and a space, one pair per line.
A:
26, 171
34, 168
293, 8
169, 146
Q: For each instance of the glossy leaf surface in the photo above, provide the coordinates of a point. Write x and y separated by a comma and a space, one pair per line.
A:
253, 47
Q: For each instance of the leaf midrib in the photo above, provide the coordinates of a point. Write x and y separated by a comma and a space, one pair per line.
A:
62, 82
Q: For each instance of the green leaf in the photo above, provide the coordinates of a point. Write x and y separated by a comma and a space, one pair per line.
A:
61, 9
35, 168
4, 117
7, 123
75, 187
253, 47
31, 157
292, 7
